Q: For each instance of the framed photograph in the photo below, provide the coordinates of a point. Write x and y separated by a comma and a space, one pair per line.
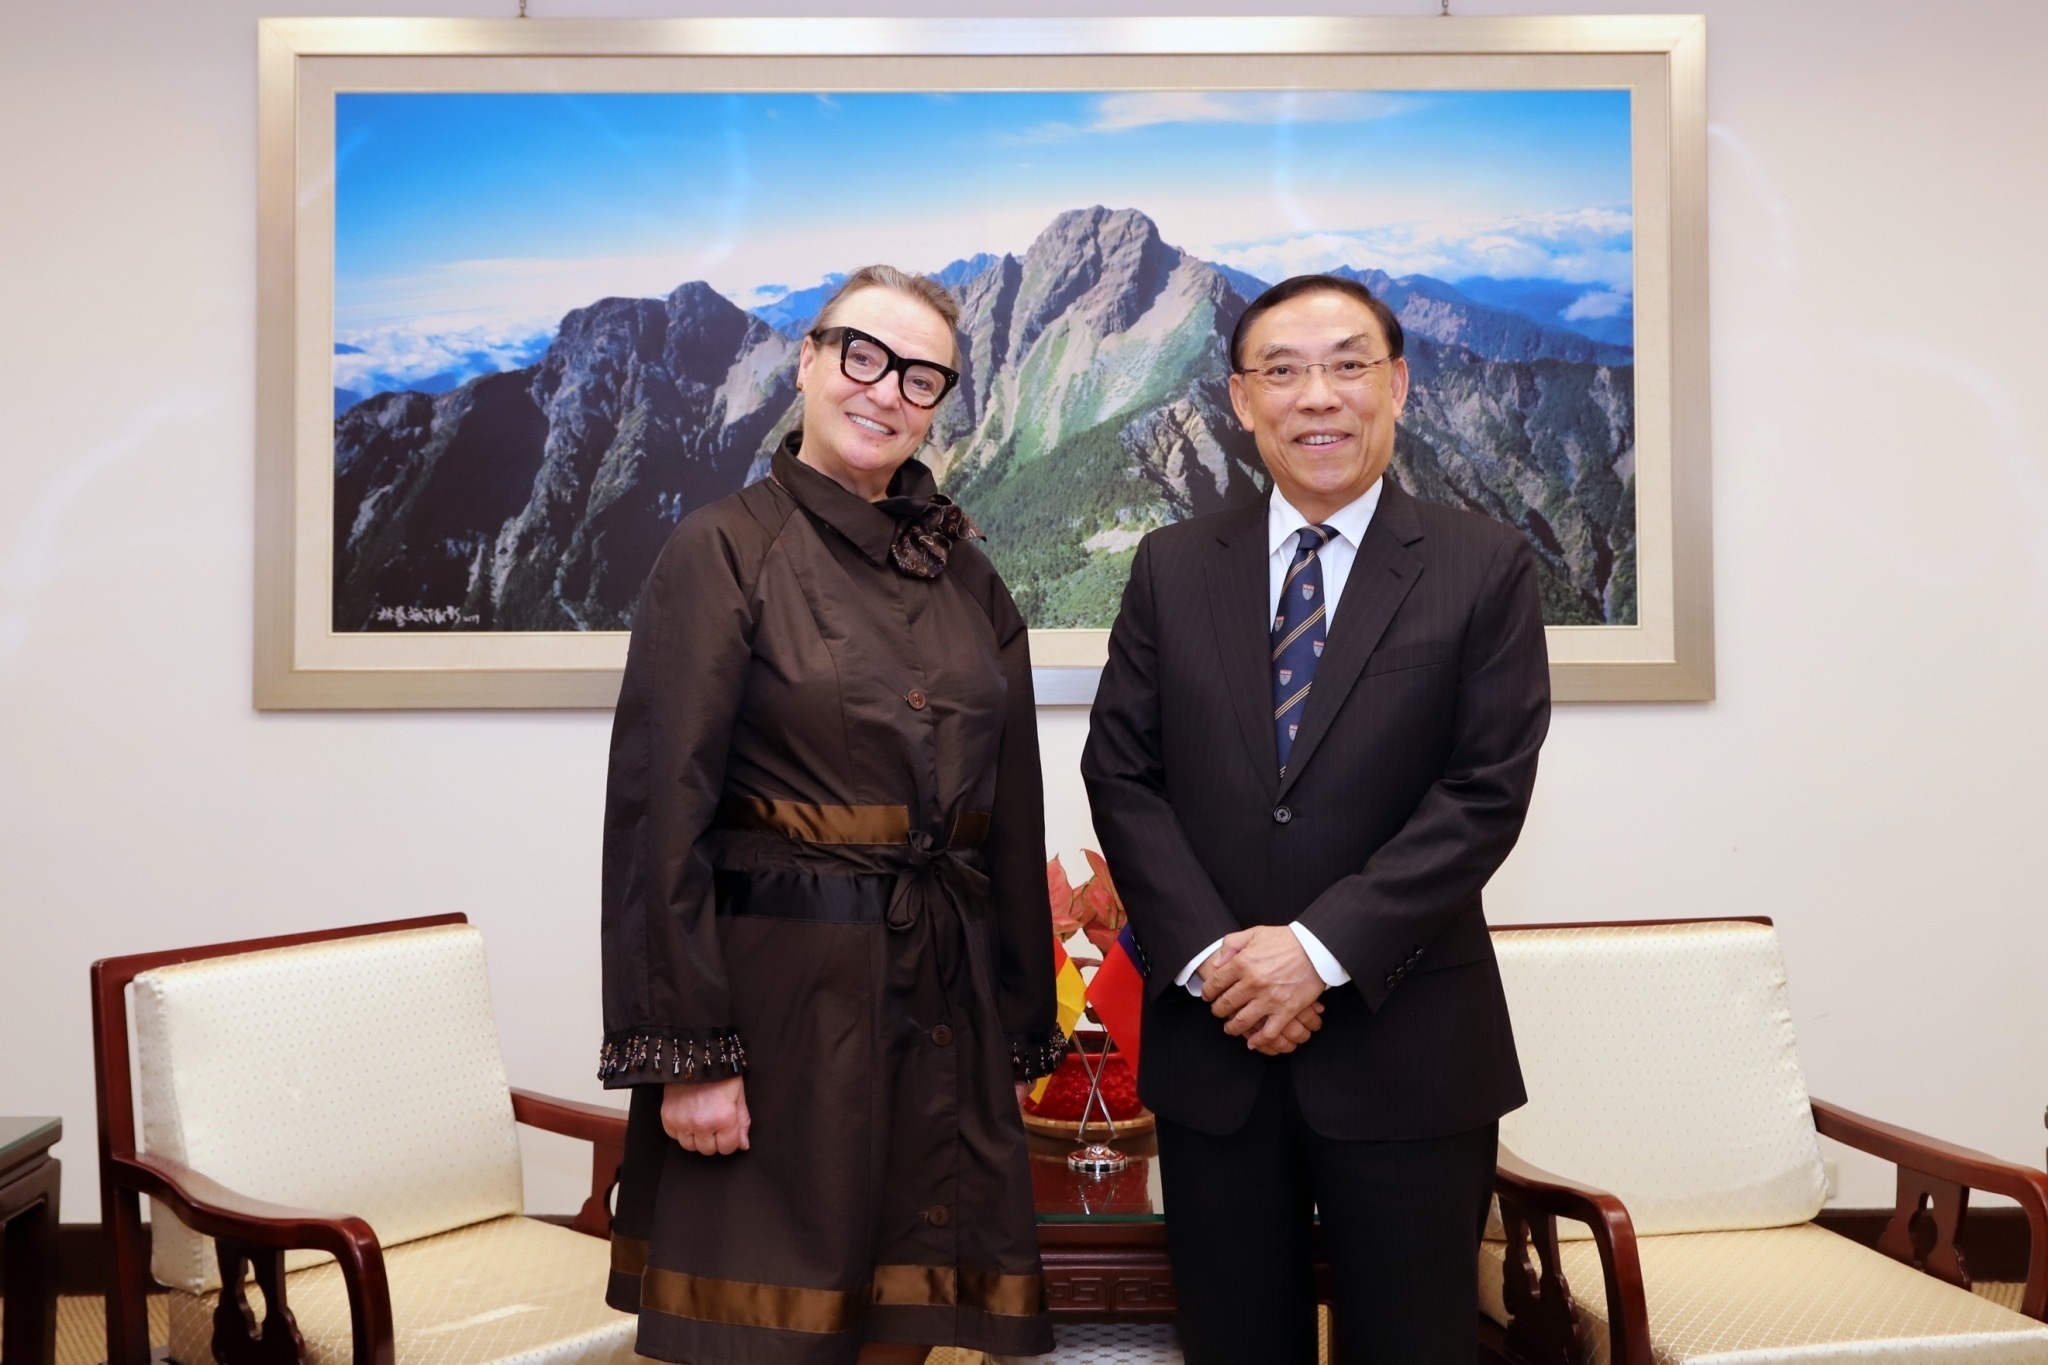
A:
531, 291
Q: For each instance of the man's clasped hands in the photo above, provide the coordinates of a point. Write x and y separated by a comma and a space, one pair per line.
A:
1261, 983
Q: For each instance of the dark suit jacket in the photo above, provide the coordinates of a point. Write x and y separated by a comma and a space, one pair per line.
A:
1405, 791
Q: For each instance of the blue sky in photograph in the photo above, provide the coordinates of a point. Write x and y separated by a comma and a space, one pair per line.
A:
471, 221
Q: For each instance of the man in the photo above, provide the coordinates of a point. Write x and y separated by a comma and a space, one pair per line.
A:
1313, 743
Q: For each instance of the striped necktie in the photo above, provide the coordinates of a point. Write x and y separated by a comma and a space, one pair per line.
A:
1298, 633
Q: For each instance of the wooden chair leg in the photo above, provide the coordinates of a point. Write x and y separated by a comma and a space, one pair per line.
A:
595, 1217
238, 1339
127, 1276
1926, 1226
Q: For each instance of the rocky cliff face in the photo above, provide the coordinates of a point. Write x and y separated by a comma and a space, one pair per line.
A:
579, 467
1093, 406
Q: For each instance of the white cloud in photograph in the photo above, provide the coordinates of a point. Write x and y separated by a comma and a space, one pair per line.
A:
1592, 246
440, 352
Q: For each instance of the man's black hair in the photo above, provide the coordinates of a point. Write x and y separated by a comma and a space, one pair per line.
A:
1298, 285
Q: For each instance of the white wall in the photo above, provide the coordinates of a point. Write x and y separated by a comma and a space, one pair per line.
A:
1871, 775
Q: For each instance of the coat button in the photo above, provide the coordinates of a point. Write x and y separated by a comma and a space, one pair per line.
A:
941, 1034
1281, 815
916, 698
937, 1216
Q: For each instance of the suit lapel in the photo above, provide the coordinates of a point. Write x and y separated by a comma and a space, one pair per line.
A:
1238, 587
1381, 577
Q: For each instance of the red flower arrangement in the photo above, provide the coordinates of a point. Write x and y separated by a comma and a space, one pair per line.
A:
1068, 1091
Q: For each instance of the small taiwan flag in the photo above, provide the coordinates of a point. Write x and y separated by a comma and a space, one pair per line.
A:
1286, 676
1308, 592
1317, 646
1117, 991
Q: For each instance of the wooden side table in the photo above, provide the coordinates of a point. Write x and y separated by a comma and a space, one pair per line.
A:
28, 1212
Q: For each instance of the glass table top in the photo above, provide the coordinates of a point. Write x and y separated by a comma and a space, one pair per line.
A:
21, 1139
1065, 1195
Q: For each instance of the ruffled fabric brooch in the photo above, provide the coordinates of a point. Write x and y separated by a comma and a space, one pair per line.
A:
926, 529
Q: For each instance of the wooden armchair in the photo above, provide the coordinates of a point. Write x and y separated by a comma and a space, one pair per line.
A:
1656, 1195
354, 1070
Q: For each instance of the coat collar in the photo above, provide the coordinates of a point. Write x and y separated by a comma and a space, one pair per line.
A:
865, 525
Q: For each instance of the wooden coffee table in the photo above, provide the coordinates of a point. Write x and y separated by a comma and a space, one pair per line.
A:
28, 1212
1103, 1240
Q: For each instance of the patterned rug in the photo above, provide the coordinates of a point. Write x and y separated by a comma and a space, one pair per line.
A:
82, 1335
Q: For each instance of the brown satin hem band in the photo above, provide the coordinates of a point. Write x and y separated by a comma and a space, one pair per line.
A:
739, 1303
943, 1286
629, 1255
840, 824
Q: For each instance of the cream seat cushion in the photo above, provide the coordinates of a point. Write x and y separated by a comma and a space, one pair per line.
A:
1799, 1294
359, 1076
511, 1289
1661, 1067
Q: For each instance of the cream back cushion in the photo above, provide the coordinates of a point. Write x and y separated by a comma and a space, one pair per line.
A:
1661, 1067
359, 1076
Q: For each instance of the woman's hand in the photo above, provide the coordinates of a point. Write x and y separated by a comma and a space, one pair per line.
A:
707, 1116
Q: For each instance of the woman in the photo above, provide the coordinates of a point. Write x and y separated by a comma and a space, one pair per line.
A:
826, 952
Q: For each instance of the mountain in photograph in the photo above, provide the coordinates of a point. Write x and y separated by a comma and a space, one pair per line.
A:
793, 313
1093, 406
1444, 313
1600, 314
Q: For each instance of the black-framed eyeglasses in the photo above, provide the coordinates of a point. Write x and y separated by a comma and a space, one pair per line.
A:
1289, 375
865, 360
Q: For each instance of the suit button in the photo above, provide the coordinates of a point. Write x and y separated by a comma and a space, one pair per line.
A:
942, 1035
937, 1216
1281, 815
916, 698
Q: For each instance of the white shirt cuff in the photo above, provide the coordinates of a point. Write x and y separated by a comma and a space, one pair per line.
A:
1191, 978
1327, 966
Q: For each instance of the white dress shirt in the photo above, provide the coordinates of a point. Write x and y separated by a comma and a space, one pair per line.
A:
1283, 538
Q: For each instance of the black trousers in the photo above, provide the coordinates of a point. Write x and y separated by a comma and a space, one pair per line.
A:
1401, 1223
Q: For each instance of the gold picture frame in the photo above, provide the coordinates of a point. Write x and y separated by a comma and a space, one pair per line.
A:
301, 663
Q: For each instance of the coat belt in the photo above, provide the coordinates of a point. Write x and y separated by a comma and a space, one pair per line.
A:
930, 876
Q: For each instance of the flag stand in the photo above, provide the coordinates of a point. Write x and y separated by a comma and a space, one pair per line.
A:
1096, 1158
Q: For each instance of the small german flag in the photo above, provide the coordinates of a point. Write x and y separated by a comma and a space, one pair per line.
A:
1070, 996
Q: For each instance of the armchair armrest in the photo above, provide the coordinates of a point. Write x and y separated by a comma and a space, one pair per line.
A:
604, 1128
205, 1205
1544, 1326
245, 1230
570, 1118
1934, 1184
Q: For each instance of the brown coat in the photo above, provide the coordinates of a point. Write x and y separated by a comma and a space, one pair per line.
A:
824, 844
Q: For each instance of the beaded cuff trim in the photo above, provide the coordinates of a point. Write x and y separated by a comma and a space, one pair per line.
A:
706, 1056
1033, 1057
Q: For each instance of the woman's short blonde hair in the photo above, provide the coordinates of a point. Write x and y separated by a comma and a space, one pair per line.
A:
923, 288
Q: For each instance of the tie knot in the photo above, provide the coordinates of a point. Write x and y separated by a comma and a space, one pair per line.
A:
1315, 537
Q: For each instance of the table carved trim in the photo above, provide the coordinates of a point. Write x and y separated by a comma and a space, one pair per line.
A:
30, 1180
